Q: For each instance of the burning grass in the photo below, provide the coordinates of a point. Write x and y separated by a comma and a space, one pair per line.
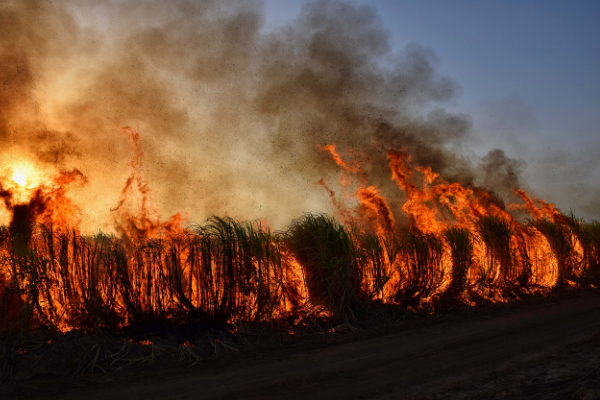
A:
225, 274
412, 230
457, 245
226, 271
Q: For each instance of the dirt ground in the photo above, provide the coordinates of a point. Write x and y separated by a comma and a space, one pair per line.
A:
542, 349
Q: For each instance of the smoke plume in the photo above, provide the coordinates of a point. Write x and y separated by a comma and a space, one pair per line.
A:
231, 115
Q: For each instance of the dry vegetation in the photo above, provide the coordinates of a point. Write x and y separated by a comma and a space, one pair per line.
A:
225, 274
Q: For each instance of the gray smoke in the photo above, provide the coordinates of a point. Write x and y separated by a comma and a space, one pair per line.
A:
231, 115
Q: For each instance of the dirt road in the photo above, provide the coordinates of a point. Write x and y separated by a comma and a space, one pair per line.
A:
401, 365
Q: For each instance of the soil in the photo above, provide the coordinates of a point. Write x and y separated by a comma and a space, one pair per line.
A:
538, 349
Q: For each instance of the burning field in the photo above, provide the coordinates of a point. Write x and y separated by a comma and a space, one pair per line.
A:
363, 195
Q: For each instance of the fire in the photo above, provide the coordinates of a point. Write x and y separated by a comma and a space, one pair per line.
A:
140, 220
25, 175
406, 232
447, 241
462, 235
20, 179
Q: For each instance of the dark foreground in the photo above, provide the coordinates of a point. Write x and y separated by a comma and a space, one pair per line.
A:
538, 350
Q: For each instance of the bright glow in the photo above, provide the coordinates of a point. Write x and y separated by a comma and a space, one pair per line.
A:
25, 175
23, 178
19, 178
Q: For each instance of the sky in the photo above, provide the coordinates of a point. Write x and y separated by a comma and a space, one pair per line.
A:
528, 72
543, 54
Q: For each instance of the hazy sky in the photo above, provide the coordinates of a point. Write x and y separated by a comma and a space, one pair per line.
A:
541, 55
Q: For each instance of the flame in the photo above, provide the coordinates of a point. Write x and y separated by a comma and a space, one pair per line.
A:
140, 220
503, 249
25, 175
24, 179
20, 179
445, 240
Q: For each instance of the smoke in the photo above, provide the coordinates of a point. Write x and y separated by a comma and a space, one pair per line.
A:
231, 115
570, 178
501, 172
